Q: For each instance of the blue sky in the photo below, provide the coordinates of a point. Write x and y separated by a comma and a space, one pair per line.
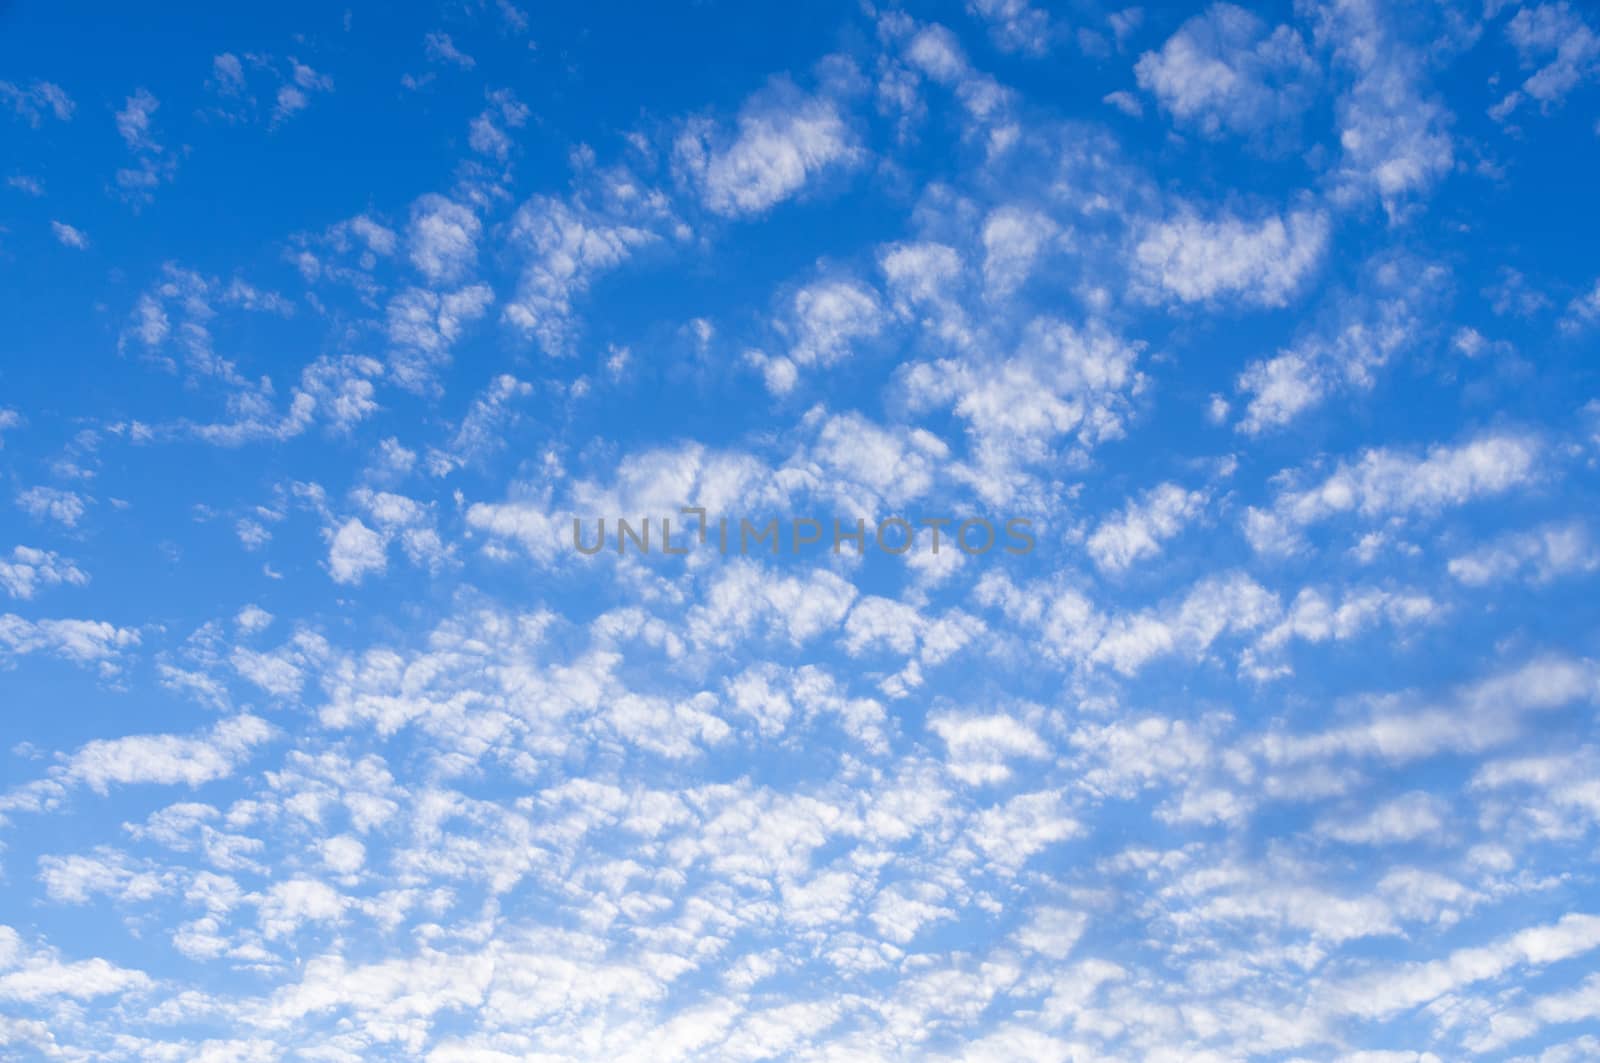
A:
320, 327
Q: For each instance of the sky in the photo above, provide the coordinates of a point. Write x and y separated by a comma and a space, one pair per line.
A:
1263, 340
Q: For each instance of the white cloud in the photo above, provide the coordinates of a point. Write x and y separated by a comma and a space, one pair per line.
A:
253, 618
1014, 25
227, 74
1385, 483
1143, 525
785, 140
38, 99
1363, 334
1223, 71
165, 759
1411, 817
1013, 833
294, 95
290, 86
1394, 137
1583, 311
933, 52
1479, 716
29, 570
344, 854
825, 322
41, 977
1316, 617
133, 121
566, 246
68, 236
291, 903
1062, 385
79, 641
484, 428
828, 317
443, 238
1013, 240
354, 551
424, 325
1542, 556
980, 746
53, 503
894, 466
1410, 985
745, 599
441, 49
1071, 629
1053, 932
153, 165
1126, 102
1556, 37
487, 133
1262, 262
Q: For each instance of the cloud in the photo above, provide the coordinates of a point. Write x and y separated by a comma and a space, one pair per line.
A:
1559, 39
1263, 262
1014, 25
980, 746
1479, 716
424, 325
1384, 483
78, 641
785, 140
134, 122
1139, 530
1014, 238
40, 98
826, 320
68, 236
1583, 311
294, 95
40, 977
1126, 102
1541, 556
486, 135
29, 570
1389, 992
441, 49
1360, 335
1062, 385
484, 429
1409, 818
354, 551
1394, 136
934, 53
53, 503
164, 759
442, 238
746, 599
289, 84
1069, 629
153, 164
1224, 72
565, 245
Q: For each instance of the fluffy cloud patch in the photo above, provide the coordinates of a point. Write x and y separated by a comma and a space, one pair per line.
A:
1261, 262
